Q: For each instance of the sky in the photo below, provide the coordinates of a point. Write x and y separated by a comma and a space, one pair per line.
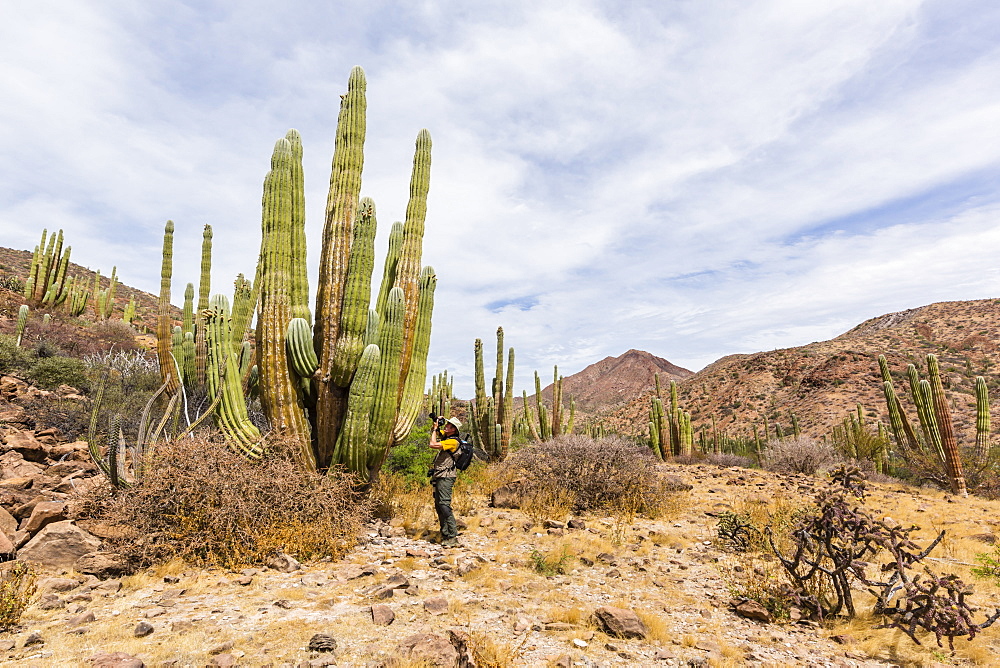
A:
690, 178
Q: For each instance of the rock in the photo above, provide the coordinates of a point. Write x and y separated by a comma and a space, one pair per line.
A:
460, 640
379, 591
224, 647
108, 587
181, 625
437, 605
34, 638
576, 524
620, 622
25, 444
6, 547
505, 497
398, 581
432, 649
607, 558
57, 584
244, 580
50, 602
8, 525
142, 629
353, 572
322, 643
44, 513
24, 510
81, 619
417, 552
382, 615
226, 660
59, 544
16, 483
102, 564
753, 610
284, 563
674, 483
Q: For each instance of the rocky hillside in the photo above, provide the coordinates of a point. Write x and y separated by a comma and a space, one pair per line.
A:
822, 381
16, 263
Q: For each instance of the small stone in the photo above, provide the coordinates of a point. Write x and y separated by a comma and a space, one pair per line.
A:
283, 603
576, 524
34, 638
244, 580
226, 660
753, 610
382, 615
284, 563
620, 622
83, 618
171, 579
219, 649
322, 643
142, 629
437, 605
579, 643
116, 660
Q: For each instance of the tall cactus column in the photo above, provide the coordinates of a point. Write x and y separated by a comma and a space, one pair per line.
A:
164, 329
952, 459
341, 209
279, 393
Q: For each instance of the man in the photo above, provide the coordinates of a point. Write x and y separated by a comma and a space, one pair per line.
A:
444, 439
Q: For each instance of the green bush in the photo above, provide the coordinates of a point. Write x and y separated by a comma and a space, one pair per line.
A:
12, 356
51, 372
412, 458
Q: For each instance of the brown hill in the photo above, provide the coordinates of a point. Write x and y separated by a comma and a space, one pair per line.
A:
606, 384
820, 382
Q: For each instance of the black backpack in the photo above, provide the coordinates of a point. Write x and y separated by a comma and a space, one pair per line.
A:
463, 454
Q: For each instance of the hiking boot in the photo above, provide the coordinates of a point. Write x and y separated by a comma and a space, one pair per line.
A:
451, 542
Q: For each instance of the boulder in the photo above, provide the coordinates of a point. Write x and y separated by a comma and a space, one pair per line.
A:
432, 649
59, 544
25, 509
102, 564
6, 548
753, 610
505, 497
8, 525
11, 387
43, 514
322, 642
436, 605
620, 622
115, 660
25, 444
284, 563
382, 615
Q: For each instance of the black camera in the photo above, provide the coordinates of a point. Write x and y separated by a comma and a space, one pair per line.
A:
439, 421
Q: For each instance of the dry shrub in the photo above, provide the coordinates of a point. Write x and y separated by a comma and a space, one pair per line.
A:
727, 460
210, 506
603, 474
17, 588
799, 455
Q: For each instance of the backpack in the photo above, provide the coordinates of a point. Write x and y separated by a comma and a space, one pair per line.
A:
463, 454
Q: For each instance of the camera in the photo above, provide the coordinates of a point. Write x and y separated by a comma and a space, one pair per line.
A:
438, 420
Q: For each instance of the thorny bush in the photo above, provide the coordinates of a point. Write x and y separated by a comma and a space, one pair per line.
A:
798, 455
201, 501
605, 474
17, 589
833, 548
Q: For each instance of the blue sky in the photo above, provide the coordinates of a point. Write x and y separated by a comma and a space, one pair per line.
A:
694, 179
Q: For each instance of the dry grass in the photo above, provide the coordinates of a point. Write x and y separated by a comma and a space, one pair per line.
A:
492, 653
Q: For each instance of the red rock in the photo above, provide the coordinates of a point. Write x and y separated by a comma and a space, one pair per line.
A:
44, 513
620, 622
59, 544
25, 444
383, 615
433, 649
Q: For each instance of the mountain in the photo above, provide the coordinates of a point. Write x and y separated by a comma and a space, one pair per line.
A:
820, 382
611, 381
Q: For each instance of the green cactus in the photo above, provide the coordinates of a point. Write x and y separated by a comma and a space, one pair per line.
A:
164, 326
938, 442
982, 421
129, 314
278, 389
22, 320
222, 379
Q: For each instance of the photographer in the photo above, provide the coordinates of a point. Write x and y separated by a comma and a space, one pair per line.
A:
444, 438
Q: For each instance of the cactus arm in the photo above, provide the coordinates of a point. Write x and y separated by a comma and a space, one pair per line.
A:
408, 273
413, 390
299, 280
383, 416
357, 294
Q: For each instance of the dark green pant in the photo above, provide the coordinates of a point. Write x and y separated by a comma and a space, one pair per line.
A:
442, 505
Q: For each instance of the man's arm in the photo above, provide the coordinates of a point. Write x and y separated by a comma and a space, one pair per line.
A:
434, 443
